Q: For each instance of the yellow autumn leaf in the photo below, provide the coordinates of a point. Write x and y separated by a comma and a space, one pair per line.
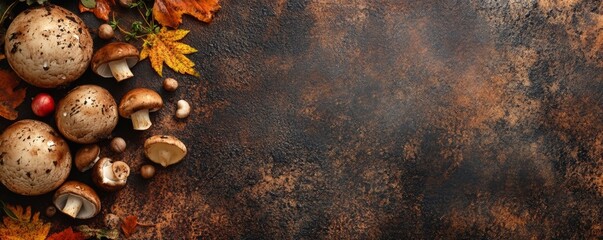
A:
25, 227
164, 47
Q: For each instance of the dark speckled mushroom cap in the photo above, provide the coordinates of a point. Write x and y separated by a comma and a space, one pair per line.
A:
48, 46
34, 159
87, 114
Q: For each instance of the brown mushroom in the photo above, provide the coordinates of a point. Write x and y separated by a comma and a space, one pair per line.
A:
34, 159
115, 60
87, 114
86, 157
48, 46
165, 150
137, 103
110, 176
77, 200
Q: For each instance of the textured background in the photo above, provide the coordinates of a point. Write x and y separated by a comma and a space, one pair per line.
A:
375, 119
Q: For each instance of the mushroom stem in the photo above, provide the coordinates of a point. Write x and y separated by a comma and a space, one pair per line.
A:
72, 206
120, 70
116, 171
166, 155
141, 120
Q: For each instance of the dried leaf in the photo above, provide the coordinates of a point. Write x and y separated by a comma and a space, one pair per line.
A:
169, 12
67, 234
163, 47
98, 233
25, 227
128, 225
102, 9
9, 97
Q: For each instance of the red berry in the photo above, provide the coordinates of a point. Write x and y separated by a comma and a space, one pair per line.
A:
42, 105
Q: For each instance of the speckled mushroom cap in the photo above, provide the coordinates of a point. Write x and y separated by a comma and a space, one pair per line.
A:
112, 52
138, 99
34, 159
48, 46
87, 114
91, 204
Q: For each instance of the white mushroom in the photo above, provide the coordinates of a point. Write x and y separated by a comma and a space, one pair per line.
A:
48, 46
110, 176
165, 150
34, 159
87, 114
77, 200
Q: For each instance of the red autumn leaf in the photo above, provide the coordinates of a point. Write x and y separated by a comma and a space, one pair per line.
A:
128, 225
102, 9
67, 234
169, 12
9, 97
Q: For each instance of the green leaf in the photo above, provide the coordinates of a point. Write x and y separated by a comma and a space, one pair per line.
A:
8, 212
89, 3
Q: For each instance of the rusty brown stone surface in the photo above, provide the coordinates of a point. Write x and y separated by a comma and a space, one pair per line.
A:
373, 119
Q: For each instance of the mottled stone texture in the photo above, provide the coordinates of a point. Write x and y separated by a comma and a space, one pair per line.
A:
374, 119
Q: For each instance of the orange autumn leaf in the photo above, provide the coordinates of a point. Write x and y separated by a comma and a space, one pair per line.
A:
67, 234
128, 225
163, 47
102, 9
169, 12
25, 227
9, 97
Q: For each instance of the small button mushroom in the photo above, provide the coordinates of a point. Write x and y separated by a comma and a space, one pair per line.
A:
34, 159
48, 46
170, 84
87, 114
77, 200
137, 103
118, 145
147, 171
115, 60
165, 150
86, 157
105, 31
110, 176
184, 109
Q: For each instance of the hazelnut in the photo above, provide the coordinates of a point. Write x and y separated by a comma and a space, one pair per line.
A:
118, 145
51, 211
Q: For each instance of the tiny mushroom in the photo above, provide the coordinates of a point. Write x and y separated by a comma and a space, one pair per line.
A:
170, 84
86, 157
87, 114
184, 109
137, 103
105, 31
110, 176
77, 200
48, 46
165, 150
115, 60
34, 159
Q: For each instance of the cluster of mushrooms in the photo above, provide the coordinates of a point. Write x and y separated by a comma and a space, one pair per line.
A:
34, 158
